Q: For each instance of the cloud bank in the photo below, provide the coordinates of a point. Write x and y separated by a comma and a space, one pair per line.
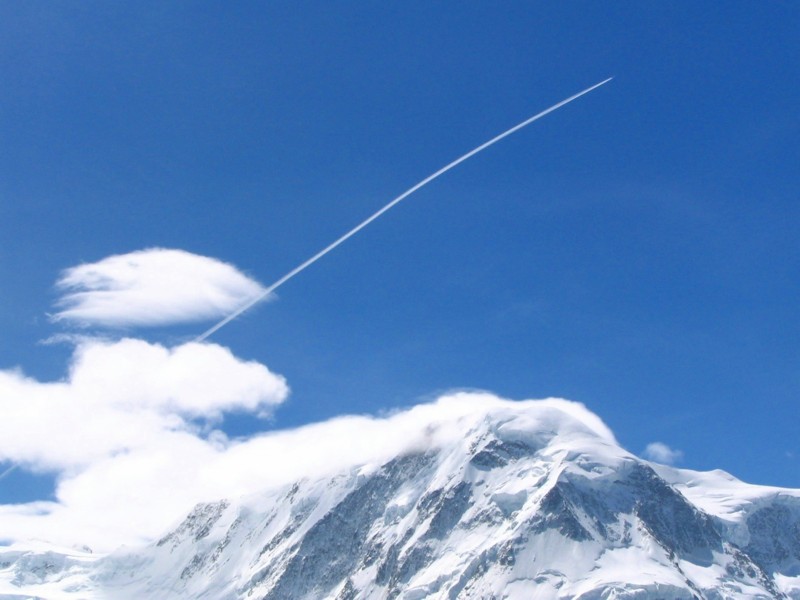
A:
129, 435
151, 288
661, 453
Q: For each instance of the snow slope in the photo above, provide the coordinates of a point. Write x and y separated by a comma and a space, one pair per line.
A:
504, 500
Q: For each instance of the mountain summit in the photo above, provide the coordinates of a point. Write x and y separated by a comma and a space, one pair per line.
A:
492, 499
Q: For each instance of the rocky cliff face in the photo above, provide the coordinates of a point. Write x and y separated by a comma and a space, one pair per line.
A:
529, 502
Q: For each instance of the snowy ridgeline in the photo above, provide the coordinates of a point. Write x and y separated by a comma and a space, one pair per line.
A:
529, 501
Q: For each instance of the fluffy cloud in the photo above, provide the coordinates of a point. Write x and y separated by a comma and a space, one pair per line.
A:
152, 287
661, 453
124, 395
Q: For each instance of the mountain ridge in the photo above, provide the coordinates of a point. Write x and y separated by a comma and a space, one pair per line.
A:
496, 499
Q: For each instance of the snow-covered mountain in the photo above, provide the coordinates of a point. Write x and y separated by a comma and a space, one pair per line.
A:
506, 500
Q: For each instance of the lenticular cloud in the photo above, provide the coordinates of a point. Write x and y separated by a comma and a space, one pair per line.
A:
152, 287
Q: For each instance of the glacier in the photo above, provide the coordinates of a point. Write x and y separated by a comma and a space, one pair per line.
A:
493, 499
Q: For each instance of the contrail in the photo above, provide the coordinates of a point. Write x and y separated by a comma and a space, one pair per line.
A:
8, 471
397, 200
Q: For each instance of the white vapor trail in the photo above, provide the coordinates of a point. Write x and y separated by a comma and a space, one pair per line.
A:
391, 204
8, 471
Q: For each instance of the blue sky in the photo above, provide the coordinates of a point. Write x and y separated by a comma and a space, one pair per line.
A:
636, 251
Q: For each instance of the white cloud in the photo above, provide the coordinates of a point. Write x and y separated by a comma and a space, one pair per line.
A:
661, 453
129, 463
124, 395
152, 287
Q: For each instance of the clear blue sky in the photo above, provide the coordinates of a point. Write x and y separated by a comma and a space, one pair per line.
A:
636, 251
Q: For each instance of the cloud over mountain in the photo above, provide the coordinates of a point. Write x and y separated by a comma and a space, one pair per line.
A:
129, 434
132, 423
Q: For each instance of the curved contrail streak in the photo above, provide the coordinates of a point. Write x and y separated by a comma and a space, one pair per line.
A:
391, 204
8, 471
